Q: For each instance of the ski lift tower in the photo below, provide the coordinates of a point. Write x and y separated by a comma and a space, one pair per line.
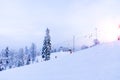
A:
73, 43
96, 36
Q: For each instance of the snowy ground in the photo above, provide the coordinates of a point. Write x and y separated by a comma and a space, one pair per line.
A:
101, 62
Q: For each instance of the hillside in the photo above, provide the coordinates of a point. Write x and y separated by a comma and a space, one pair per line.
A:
101, 62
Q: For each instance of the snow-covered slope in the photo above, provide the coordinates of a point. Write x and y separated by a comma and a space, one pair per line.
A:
101, 62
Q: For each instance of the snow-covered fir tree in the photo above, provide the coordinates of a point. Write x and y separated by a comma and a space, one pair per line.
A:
11, 59
46, 46
27, 56
33, 52
6, 57
20, 60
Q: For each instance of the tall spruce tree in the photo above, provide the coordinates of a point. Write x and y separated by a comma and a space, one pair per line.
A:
7, 55
20, 58
27, 56
33, 52
46, 46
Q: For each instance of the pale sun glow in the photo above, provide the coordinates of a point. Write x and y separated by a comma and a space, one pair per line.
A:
108, 31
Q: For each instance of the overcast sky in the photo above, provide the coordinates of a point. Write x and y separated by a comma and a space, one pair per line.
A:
25, 21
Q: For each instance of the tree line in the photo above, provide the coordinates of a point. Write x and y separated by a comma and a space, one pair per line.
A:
25, 56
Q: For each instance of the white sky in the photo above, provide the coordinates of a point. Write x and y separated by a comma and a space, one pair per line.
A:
24, 21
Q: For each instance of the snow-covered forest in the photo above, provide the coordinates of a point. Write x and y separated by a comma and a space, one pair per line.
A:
26, 56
